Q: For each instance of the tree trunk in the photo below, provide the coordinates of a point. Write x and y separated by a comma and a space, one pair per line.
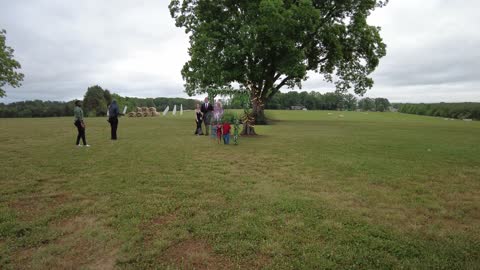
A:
258, 111
248, 130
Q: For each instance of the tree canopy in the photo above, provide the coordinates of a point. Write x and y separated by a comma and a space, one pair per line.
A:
261, 46
8, 66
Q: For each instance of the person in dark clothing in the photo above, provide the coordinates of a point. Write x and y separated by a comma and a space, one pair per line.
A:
198, 120
80, 124
113, 118
207, 110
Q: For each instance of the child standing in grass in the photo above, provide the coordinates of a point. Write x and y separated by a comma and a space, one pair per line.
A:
226, 132
219, 132
214, 130
236, 130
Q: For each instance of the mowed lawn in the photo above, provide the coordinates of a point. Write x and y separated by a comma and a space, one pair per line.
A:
316, 190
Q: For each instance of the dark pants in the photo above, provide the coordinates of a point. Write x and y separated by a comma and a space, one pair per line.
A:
81, 133
199, 130
207, 129
114, 125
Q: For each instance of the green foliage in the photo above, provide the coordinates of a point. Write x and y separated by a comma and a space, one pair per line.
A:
263, 45
367, 104
316, 101
94, 102
36, 108
467, 110
230, 116
8, 66
382, 104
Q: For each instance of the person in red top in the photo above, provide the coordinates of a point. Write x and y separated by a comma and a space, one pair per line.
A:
226, 132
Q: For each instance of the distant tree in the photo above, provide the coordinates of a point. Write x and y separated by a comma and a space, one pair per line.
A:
107, 96
8, 66
382, 104
350, 102
264, 45
366, 104
94, 102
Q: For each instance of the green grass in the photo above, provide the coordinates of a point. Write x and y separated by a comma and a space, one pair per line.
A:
314, 191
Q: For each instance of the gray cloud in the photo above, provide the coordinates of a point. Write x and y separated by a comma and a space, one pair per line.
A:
134, 49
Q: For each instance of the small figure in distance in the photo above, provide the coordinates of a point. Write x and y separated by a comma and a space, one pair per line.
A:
198, 120
113, 114
236, 131
218, 111
207, 110
79, 123
219, 131
226, 132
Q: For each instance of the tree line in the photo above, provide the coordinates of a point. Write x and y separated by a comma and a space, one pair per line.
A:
466, 110
318, 101
95, 103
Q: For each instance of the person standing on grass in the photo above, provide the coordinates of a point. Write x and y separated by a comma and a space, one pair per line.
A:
113, 118
218, 111
79, 123
226, 132
219, 132
198, 120
207, 110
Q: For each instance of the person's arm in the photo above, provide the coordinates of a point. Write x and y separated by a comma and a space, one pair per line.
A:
81, 118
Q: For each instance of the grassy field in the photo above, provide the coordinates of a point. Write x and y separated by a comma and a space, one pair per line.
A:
314, 191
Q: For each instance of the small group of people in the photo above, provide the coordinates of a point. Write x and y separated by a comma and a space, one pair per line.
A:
113, 113
211, 117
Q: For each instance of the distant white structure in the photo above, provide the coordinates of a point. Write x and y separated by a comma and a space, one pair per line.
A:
124, 110
181, 109
166, 110
174, 110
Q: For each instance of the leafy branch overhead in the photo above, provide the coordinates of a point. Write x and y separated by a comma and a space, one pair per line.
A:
264, 45
8, 66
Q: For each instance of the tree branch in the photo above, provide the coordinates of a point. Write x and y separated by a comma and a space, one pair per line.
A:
282, 83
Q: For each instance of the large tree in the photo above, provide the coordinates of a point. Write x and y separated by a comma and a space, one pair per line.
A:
8, 66
260, 46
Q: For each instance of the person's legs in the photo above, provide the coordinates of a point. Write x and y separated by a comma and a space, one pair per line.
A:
207, 129
113, 126
82, 134
115, 129
200, 131
79, 129
226, 138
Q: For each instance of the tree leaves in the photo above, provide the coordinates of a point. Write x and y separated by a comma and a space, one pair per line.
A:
8, 66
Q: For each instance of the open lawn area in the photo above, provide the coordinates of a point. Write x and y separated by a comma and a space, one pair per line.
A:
314, 191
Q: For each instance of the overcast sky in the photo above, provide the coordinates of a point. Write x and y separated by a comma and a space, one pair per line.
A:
133, 48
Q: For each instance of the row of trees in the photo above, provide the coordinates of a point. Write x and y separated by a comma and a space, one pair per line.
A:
466, 110
317, 101
37, 108
95, 103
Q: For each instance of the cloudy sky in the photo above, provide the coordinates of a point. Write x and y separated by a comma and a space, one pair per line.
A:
133, 48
